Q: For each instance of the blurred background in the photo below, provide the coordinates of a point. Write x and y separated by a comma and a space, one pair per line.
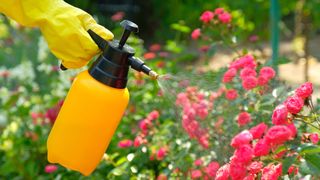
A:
284, 34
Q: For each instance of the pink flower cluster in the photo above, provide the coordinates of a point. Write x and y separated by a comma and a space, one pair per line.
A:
222, 15
249, 146
144, 125
195, 108
204, 172
219, 15
282, 114
248, 74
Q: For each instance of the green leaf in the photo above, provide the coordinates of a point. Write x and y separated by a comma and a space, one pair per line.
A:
308, 149
287, 162
121, 161
312, 162
283, 60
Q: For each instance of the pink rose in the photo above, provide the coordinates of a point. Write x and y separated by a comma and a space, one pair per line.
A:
244, 118
314, 137
250, 177
305, 90
249, 82
229, 75
50, 168
294, 104
293, 129
231, 94
162, 177
153, 115
261, 148
198, 162
244, 154
196, 174
218, 10
138, 141
267, 72
253, 38
212, 169
255, 167
293, 170
277, 135
271, 172
258, 130
242, 138
225, 17
161, 153
223, 172
196, 34
149, 55
207, 16
125, 143
262, 80
237, 170
245, 72
155, 47
280, 115
118, 16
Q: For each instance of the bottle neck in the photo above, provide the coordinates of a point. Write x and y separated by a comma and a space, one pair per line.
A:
112, 66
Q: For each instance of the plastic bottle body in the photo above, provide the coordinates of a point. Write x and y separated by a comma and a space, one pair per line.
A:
86, 123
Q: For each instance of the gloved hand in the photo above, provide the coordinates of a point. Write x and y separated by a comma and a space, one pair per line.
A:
63, 26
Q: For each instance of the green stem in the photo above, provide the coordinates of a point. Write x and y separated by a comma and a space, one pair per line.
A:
310, 124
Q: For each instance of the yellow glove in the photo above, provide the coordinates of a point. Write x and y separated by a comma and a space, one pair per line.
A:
63, 26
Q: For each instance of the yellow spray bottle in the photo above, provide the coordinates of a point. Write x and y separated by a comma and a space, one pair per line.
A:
94, 105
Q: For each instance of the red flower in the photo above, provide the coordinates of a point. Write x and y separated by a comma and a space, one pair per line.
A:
223, 172
262, 80
207, 16
244, 61
118, 16
225, 17
229, 75
149, 55
231, 94
249, 177
249, 82
294, 104
161, 153
237, 170
243, 154
277, 135
255, 167
198, 162
244, 118
246, 72
314, 137
293, 129
271, 172
305, 90
261, 148
293, 170
212, 168
267, 72
196, 174
162, 177
196, 34
125, 143
50, 168
280, 115
138, 141
258, 130
218, 10
242, 138
155, 47
52, 113
153, 115
253, 38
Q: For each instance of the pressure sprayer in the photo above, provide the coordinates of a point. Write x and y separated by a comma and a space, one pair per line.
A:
94, 105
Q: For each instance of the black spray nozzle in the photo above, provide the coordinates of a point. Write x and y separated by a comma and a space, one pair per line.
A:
101, 43
138, 65
128, 28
